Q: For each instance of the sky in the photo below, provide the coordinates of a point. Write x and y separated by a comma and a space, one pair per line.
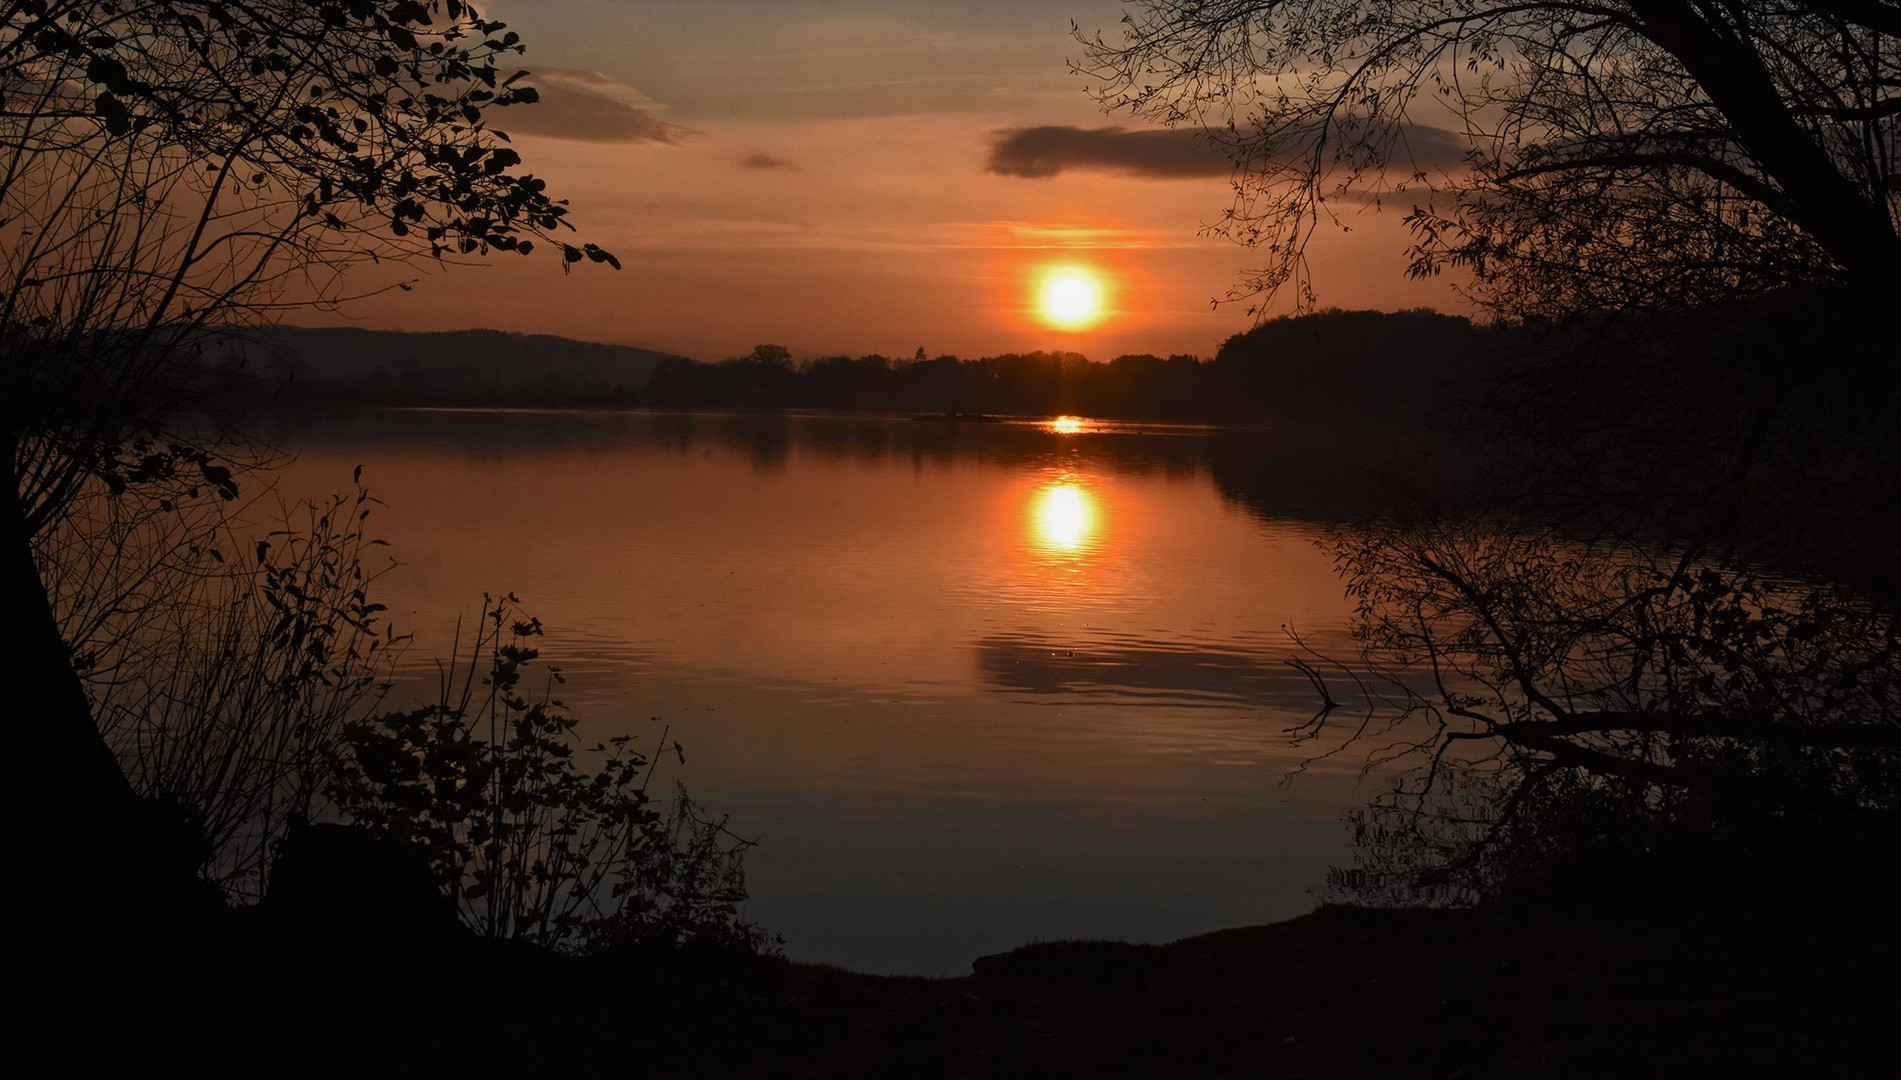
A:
844, 177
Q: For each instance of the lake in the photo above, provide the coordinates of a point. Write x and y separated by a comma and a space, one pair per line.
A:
968, 685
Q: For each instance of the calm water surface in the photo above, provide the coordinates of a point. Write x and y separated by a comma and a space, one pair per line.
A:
969, 686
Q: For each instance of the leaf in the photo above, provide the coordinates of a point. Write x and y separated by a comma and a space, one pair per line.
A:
109, 73
108, 108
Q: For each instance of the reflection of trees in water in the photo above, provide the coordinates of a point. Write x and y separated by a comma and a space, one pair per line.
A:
1315, 472
1599, 697
1667, 627
772, 439
1322, 474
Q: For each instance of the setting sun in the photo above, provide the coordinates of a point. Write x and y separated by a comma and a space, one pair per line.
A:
1070, 297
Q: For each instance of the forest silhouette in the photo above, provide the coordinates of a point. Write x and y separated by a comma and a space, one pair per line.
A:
1380, 369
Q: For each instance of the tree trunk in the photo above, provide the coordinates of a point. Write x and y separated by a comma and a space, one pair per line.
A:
1852, 225
58, 765
85, 849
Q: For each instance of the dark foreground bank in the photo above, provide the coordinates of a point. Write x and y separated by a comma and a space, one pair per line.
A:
1343, 992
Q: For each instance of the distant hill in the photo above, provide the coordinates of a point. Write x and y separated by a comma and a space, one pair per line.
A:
454, 367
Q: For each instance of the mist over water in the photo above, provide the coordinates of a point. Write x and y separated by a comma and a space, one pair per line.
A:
969, 685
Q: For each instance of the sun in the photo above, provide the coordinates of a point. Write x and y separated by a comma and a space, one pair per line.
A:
1070, 297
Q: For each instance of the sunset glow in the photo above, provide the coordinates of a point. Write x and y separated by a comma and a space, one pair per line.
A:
1066, 425
889, 193
1071, 298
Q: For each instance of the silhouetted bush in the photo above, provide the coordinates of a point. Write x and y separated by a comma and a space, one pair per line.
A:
528, 841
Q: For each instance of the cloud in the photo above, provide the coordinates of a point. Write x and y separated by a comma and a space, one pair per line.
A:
1178, 153
766, 161
586, 107
1427, 148
1039, 152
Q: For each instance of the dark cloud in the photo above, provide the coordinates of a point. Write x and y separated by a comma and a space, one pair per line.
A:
1179, 153
586, 107
766, 161
1427, 148
1046, 151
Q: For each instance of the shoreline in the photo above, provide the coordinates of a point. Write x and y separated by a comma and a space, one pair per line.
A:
1340, 993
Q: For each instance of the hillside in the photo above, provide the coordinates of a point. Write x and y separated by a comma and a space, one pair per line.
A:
455, 367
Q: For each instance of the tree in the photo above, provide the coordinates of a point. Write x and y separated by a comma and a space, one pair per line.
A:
1619, 153
1657, 617
175, 169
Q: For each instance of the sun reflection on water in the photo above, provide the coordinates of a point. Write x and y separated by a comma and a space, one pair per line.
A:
1065, 516
1066, 425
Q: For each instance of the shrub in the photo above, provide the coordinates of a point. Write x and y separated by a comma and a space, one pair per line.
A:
221, 665
530, 842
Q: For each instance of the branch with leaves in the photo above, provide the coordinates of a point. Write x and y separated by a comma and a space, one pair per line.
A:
1619, 154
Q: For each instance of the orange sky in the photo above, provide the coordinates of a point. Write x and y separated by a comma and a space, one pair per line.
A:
841, 177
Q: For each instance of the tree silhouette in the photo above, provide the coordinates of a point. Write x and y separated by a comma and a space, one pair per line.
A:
1617, 154
175, 169
1653, 621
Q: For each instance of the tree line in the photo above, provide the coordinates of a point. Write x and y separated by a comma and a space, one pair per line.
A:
1333, 365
